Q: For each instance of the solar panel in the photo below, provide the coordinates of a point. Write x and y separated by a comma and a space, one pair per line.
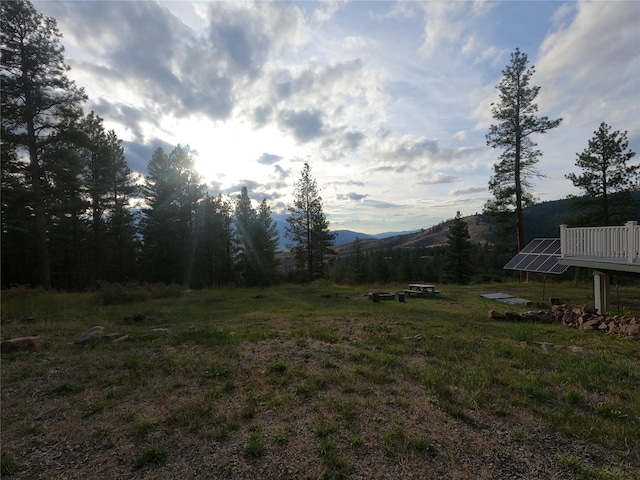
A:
541, 255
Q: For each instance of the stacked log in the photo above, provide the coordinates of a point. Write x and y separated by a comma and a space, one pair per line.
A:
585, 318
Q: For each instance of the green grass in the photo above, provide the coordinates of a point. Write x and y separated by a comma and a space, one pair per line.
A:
316, 369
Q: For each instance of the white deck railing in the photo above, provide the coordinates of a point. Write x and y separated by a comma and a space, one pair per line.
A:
609, 244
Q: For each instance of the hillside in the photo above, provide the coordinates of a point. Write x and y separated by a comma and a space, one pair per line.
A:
480, 230
542, 220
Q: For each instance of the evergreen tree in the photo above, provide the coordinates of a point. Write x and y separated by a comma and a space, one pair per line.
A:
66, 207
607, 180
214, 243
517, 121
266, 244
245, 226
109, 187
19, 258
172, 191
308, 229
37, 99
458, 266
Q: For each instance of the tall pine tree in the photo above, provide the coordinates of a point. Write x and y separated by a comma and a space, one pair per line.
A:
37, 100
172, 192
308, 229
607, 180
517, 122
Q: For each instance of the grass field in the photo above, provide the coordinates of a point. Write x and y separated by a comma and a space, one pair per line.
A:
316, 381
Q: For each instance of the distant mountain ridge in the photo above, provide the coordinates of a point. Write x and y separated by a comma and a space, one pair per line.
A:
342, 236
541, 220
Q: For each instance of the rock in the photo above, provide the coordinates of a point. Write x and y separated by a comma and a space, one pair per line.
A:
546, 346
93, 332
116, 337
20, 344
576, 349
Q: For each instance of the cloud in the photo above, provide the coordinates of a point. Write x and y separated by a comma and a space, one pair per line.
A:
576, 61
352, 140
280, 173
436, 178
269, 159
460, 135
440, 26
467, 191
356, 197
261, 115
328, 9
409, 148
238, 38
144, 51
352, 42
256, 190
305, 125
138, 154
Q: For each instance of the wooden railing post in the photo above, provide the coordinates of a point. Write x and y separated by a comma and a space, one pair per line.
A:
563, 241
631, 241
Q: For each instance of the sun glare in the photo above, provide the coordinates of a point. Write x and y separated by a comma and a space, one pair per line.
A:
228, 153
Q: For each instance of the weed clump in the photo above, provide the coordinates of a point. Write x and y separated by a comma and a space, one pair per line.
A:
152, 455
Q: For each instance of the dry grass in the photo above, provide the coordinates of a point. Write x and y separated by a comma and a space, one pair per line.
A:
317, 382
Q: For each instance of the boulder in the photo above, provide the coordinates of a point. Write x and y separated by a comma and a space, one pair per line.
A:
116, 337
90, 334
19, 344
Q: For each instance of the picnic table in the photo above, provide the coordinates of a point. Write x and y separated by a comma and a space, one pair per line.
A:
421, 290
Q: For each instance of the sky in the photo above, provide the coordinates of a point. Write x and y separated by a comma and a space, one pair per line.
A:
388, 102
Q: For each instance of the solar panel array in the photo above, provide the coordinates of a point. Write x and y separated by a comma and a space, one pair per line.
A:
541, 255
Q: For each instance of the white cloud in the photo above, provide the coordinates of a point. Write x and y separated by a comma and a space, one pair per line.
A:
591, 67
328, 9
352, 42
381, 98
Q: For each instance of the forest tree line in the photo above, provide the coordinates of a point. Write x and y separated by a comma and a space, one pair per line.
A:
74, 214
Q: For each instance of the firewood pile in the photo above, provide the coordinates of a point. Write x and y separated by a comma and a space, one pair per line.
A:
585, 318
588, 319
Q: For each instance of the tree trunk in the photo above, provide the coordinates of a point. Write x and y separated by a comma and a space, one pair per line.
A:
39, 209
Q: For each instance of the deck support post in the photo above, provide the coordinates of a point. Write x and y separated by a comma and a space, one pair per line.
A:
601, 289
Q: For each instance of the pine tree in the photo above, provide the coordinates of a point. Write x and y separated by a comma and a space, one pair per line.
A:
458, 266
37, 99
66, 208
172, 191
214, 243
245, 227
19, 257
517, 122
308, 229
607, 180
